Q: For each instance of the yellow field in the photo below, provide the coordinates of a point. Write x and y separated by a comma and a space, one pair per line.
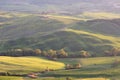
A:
26, 64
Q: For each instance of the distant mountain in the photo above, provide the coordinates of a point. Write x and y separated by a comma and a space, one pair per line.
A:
60, 6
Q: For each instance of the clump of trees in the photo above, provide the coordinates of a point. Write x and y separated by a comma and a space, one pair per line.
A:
55, 53
112, 52
82, 54
73, 66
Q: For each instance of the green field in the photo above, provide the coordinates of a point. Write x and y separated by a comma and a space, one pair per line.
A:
23, 65
99, 68
10, 78
91, 68
48, 78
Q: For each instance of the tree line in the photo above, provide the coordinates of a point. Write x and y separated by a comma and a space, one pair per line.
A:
62, 53
34, 52
45, 53
112, 52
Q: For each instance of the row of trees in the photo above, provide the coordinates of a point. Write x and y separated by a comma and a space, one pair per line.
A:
18, 52
46, 53
112, 52
55, 53
36, 52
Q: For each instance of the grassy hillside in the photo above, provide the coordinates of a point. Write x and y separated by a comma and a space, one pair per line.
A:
105, 27
44, 31
29, 26
22, 65
71, 40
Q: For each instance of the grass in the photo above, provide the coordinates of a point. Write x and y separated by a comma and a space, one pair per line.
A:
10, 78
46, 78
91, 68
98, 68
94, 79
89, 61
24, 65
